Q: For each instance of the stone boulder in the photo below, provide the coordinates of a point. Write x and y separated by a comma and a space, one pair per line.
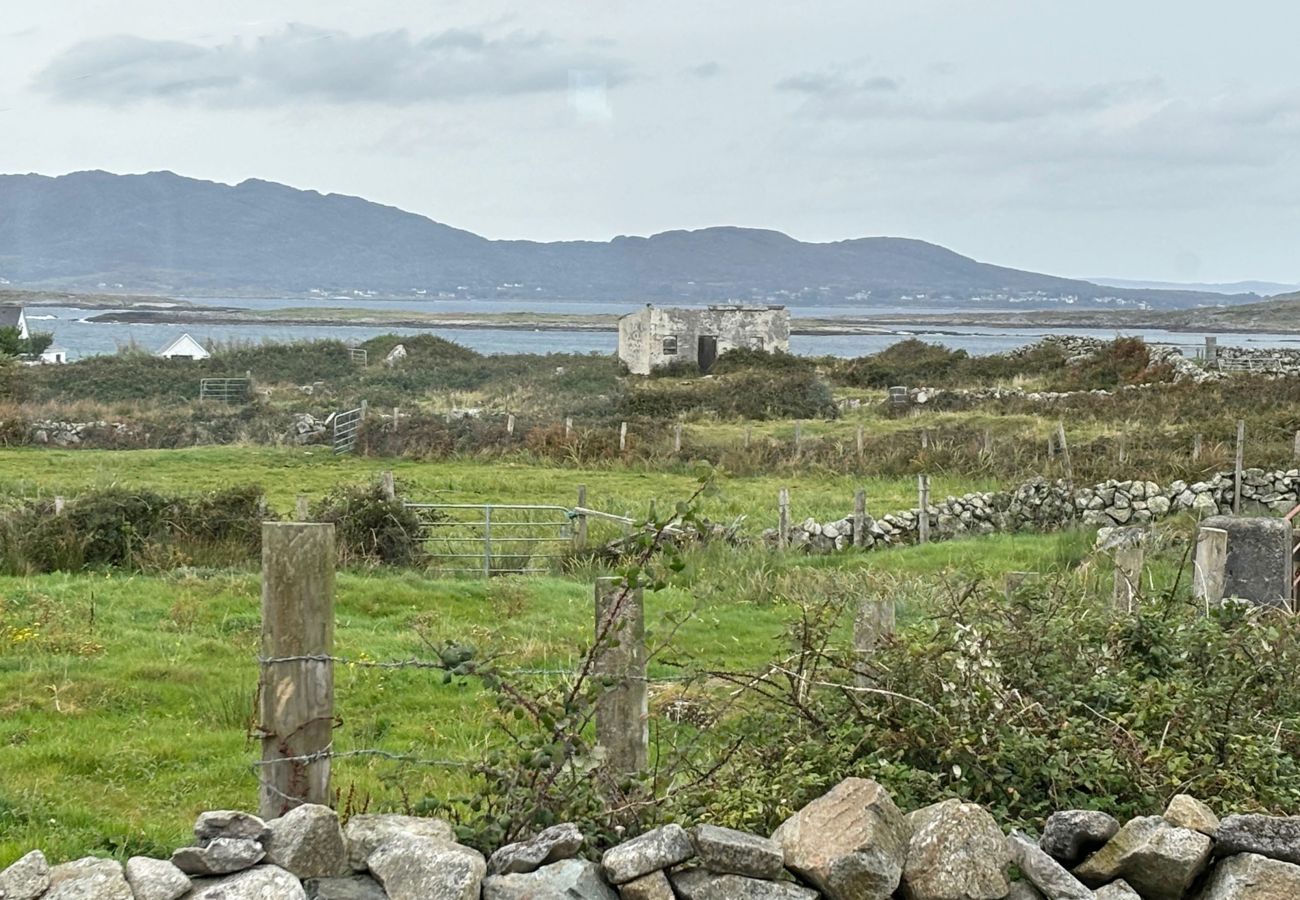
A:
1185, 811
1117, 890
396, 355
1071, 834
420, 868
364, 833
226, 823
571, 879
260, 883
220, 856
1277, 837
155, 879
551, 845
347, 887
1044, 872
701, 884
725, 851
654, 886
1249, 876
307, 842
1157, 859
665, 846
1023, 890
957, 852
850, 844
27, 878
90, 878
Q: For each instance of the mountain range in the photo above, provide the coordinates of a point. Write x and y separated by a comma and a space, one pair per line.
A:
164, 233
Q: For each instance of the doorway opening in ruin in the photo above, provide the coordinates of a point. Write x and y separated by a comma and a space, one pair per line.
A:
708, 352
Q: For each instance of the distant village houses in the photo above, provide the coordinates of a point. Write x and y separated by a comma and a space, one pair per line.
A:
655, 337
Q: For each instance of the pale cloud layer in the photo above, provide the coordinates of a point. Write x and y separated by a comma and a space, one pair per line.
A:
1159, 140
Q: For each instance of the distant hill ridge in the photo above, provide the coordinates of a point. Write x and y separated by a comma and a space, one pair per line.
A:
165, 233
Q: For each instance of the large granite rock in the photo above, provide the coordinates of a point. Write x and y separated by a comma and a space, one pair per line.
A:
364, 833
725, 851
551, 845
27, 878
571, 879
850, 844
260, 883
1185, 811
307, 841
90, 878
1277, 837
347, 887
220, 856
654, 886
701, 884
667, 845
155, 879
420, 868
1117, 890
1023, 890
1157, 859
228, 823
1071, 834
1044, 872
957, 852
1249, 876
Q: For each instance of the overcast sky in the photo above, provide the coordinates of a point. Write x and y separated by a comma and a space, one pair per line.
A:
1142, 139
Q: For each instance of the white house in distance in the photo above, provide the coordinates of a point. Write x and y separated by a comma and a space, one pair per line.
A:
184, 347
14, 317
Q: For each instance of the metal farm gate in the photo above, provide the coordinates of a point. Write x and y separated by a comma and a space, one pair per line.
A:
347, 424
494, 538
225, 390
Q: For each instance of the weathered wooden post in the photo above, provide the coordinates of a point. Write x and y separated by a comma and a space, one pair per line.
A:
859, 518
1295, 452
397, 415
798, 437
923, 513
861, 442
568, 427
677, 438
510, 424
365, 408
1211, 351
875, 622
296, 689
58, 506
388, 485
783, 518
749, 435
1209, 568
622, 710
1128, 578
302, 509
1237, 467
1123, 449
1196, 446
580, 526
622, 437
925, 439
988, 441
1065, 452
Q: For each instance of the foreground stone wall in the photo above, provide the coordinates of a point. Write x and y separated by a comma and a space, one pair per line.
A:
1042, 505
853, 843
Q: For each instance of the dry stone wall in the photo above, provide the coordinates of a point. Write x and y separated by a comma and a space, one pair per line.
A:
1042, 505
853, 843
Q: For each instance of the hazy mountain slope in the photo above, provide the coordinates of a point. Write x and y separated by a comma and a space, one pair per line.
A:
162, 232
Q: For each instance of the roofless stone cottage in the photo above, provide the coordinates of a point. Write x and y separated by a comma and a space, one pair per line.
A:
655, 337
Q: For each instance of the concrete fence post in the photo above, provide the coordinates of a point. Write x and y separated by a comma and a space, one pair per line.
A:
622, 437
798, 437
365, 408
580, 524
1211, 351
1210, 566
296, 688
987, 449
1128, 579
923, 511
859, 518
510, 424
783, 518
622, 709
677, 438
397, 415
1196, 446
1065, 452
1295, 452
1238, 466
302, 509
861, 442
925, 439
58, 506
388, 485
568, 427
875, 622
749, 435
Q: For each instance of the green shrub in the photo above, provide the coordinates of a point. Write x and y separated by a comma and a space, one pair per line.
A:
369, 527
751, 394
742, 359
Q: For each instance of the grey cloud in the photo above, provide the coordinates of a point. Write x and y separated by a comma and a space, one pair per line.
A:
710, 69
301, 63
832, 84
